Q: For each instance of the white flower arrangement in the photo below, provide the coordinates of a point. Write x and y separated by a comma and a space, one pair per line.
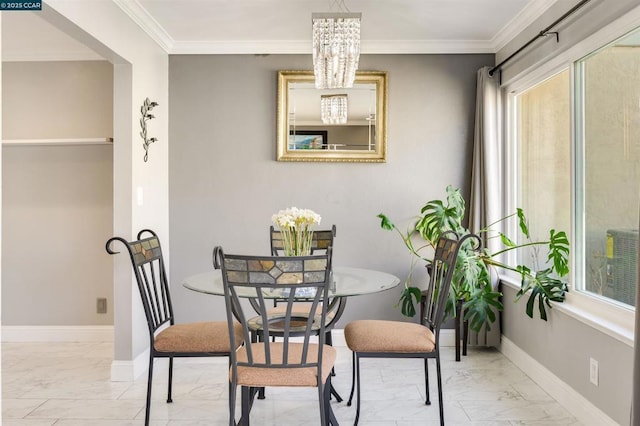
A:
296, 226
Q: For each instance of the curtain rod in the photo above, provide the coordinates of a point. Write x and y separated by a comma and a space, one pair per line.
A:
542, 33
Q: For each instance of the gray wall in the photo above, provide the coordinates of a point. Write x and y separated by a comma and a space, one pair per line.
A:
57, 200
564, 345
225, 183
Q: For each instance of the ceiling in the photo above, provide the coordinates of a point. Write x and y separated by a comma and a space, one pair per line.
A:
284, 26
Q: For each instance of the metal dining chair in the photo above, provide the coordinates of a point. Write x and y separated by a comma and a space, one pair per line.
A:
398, 339
294, 360
320, 243
168, 339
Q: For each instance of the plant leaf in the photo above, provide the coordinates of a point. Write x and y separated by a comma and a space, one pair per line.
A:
479, 309
409, 297
545, 288
385, 222
559, 252
506, 240
438, 217
543, 311
522, 222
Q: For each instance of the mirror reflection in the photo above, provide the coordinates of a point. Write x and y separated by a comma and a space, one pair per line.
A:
331, 124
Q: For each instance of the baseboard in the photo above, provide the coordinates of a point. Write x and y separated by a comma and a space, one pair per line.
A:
127, 371
57, 333
576, 404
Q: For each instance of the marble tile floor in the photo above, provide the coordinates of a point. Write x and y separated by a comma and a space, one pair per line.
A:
67, 384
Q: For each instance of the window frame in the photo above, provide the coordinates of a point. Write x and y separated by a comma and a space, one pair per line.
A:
610, 317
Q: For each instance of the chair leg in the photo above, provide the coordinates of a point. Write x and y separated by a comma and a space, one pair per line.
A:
323, 402
465, 337
169, 400
457, 330
426, 381
328, 339
232, 403
330, 417
246, 406
353, 378
439, 374
358, 391
147, 410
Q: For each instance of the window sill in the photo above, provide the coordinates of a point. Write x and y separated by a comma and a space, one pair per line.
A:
612, 320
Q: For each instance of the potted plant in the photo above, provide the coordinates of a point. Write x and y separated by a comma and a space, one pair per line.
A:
471, 288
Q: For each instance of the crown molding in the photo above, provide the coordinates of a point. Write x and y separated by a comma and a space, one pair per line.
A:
532, 11
241, 47
144, 20
151, 27
425, 46
304, 47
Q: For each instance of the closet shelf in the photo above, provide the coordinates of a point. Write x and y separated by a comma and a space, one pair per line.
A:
62, 141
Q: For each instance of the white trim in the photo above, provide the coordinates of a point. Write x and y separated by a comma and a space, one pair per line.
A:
57, 333
581, 408
615, 321
532, 11
448, 337
304, 47
155, 31
418, 47
610, 319
63, 141
128, 371
240, 47
144, 20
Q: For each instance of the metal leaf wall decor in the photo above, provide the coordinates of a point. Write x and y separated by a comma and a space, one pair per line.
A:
147, 106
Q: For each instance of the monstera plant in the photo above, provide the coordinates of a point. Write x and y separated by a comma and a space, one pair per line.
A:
471, 285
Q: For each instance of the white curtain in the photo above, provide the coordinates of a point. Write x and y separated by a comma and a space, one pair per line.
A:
486, 175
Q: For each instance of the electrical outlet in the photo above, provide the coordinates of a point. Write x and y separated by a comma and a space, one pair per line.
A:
101, 305
593, 371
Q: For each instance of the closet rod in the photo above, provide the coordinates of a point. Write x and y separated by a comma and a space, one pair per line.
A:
542, 33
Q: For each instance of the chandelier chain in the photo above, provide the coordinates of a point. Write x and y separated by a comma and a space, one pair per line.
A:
340, 6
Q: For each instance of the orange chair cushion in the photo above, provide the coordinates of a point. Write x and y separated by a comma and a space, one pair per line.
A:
197, 337
276, 376
388, 336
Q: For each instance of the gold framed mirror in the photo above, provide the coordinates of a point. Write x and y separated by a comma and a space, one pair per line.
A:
308, 133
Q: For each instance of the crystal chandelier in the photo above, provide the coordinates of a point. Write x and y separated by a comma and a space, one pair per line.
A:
333, 109
336, 49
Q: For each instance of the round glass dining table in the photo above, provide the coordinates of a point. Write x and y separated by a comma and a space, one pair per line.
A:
346, 282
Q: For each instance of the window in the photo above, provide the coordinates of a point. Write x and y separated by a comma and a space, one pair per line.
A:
608, 165
543, 135
588, 183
